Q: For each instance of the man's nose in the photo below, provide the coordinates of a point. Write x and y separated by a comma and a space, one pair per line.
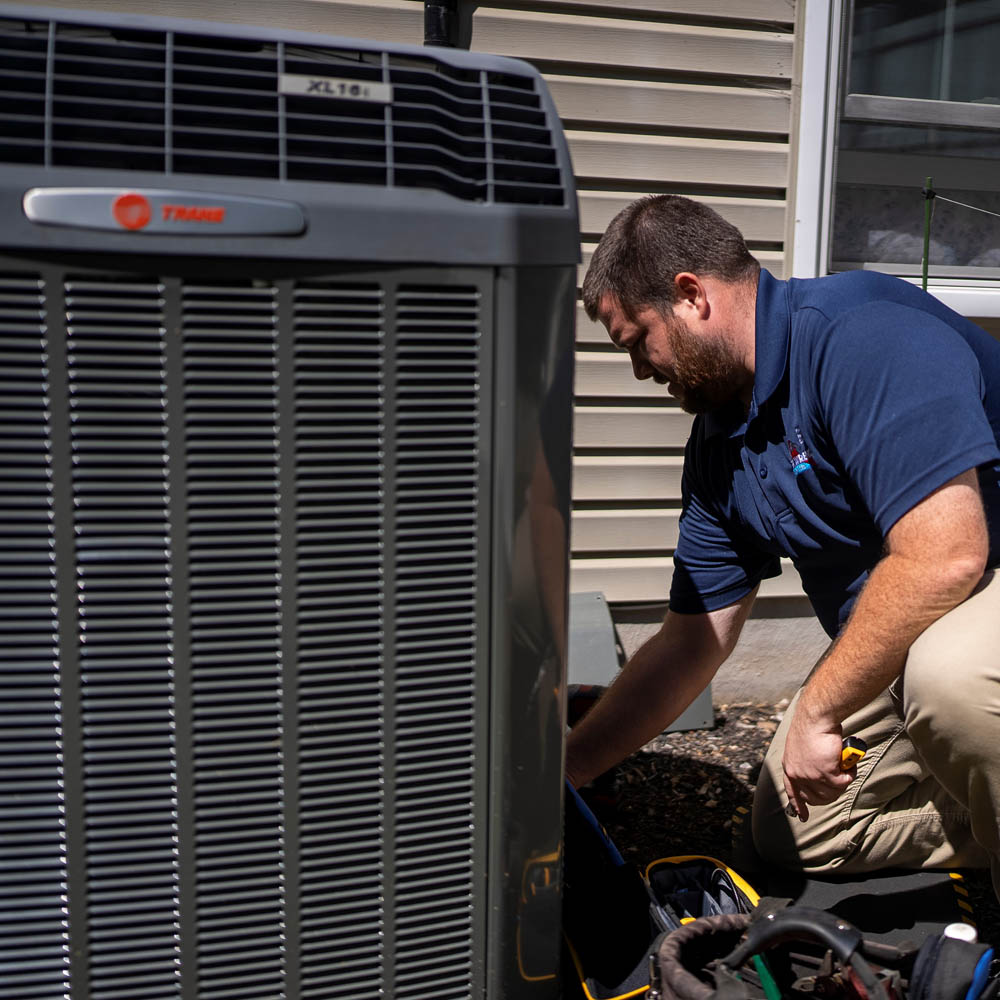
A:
641, 368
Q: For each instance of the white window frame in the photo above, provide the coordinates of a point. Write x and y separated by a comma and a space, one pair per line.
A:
812, 201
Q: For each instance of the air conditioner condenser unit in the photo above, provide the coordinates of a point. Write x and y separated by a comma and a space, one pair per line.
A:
286, 354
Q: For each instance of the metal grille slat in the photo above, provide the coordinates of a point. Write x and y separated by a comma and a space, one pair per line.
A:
130, 811
339, 344
230, 375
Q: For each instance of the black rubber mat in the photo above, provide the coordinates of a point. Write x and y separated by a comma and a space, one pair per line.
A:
890, 907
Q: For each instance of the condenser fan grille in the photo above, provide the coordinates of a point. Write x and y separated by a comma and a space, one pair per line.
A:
196, 104
244, 680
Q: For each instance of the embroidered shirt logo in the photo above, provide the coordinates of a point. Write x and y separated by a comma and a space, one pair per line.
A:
799, 454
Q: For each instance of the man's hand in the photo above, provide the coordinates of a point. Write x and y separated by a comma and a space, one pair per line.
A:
812, 762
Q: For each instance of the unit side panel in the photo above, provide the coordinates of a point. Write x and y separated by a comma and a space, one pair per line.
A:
533, 363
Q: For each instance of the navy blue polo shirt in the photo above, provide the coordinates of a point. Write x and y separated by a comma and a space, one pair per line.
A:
868, 395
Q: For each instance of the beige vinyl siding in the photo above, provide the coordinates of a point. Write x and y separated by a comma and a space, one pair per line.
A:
607, 426
599, 156
758, 219
600, 530
708, 116
632, 580
772, 11
685, 96
667, 105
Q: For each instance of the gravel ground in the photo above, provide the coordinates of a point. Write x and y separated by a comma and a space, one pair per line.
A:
678, 795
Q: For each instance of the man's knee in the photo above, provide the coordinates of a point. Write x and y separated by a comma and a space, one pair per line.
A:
783, 841
772, 838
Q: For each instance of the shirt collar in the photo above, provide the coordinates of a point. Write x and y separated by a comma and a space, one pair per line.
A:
772, 334
772, 337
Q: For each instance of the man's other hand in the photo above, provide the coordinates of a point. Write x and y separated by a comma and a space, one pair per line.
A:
812, 763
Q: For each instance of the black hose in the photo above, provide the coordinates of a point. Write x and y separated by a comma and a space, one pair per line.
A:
441, 22
803, 921
449, 23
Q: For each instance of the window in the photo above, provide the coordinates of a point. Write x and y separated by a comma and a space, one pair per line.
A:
911, 89
920, 97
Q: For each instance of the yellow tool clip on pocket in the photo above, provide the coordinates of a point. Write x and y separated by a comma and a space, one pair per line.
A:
852, 750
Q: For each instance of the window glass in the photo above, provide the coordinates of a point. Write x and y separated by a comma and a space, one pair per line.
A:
921, 98
933, 49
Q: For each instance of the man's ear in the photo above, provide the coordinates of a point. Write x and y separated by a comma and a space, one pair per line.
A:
691, 293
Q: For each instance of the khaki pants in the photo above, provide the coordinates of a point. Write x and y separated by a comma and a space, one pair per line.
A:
927, 793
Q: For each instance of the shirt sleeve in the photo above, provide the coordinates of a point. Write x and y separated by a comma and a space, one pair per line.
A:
901, 395
713, 567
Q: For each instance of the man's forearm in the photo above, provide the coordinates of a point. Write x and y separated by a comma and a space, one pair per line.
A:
936, 554
648, 695
663, 677
901, 598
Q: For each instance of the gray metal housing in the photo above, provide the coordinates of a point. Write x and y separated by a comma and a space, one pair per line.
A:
283, 538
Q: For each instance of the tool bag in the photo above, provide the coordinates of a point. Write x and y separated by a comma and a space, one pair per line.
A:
690, 928
707, 959
689, 886
800, 951
614, 916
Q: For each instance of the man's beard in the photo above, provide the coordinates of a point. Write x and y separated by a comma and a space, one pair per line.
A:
705, 373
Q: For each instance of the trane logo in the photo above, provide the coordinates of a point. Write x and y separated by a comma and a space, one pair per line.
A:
193, 213
133, 211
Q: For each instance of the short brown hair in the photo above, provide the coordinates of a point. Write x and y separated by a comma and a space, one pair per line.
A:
654, 239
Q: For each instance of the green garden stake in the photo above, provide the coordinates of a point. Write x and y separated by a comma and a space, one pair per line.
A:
928, 198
